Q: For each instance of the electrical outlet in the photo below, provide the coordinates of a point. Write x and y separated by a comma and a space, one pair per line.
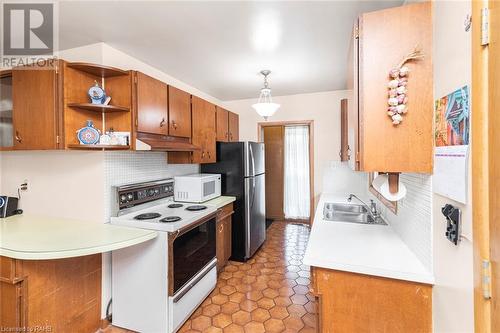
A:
24, 186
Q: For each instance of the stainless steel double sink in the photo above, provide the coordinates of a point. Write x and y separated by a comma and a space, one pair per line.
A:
352, 213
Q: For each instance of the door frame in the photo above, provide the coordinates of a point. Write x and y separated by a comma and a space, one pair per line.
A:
310, 125
485, 171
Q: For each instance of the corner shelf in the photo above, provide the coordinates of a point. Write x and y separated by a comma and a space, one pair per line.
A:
98, 147
98, 70
98, 108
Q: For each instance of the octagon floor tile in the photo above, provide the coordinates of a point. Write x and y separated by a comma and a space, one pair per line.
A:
269, 293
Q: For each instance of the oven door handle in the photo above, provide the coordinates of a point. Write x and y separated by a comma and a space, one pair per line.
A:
188, 287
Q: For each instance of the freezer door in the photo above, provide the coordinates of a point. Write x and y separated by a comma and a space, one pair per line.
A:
255, 215
254, 159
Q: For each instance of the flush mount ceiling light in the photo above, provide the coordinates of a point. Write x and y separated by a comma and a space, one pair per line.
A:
265, 106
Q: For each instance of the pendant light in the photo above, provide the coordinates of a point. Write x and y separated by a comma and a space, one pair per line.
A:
265, 106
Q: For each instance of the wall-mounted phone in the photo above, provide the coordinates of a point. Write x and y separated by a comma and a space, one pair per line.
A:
453, 223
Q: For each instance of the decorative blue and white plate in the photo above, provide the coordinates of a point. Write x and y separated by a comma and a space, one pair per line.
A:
88, 135
97, 94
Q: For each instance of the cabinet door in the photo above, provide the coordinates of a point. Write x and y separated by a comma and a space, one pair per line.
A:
222, 125
220, 246
11, 305
204, 129
152, 105
407, 147
210, 134
344, 146
228, 238
35, 108
234, 127
352, 102
179, 113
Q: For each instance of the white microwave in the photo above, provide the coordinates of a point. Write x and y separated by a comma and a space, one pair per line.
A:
197, 188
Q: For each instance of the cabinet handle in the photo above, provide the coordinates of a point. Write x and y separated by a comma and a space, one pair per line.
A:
18, 137
221, 227
174, 125
203, 154
162, 122
348, 152
227, 135
209, 155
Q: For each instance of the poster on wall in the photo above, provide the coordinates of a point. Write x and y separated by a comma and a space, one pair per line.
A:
451, 136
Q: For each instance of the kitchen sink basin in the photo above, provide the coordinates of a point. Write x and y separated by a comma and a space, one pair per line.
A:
338, 212
347, 208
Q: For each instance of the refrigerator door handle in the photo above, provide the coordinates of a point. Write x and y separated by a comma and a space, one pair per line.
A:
253, 192
252, 159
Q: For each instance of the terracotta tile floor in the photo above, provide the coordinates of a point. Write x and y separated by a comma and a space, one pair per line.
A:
269, 293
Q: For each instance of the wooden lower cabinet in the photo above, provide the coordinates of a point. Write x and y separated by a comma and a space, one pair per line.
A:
61, 295
224, 235
349, 302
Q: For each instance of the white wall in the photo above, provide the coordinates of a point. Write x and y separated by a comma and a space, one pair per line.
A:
453, 302
322, 107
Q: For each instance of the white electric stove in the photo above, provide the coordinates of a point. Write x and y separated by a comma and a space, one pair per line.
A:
158, 284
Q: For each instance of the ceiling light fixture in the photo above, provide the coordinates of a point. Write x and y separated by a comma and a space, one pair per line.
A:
265, 106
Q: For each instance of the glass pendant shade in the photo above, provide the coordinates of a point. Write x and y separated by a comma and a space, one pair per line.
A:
265, 106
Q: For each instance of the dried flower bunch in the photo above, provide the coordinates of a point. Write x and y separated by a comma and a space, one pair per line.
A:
398, 97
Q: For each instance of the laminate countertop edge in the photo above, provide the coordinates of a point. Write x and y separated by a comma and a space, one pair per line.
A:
46, 238
220, 202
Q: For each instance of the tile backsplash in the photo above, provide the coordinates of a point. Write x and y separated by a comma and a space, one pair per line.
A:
413, 223
132, 167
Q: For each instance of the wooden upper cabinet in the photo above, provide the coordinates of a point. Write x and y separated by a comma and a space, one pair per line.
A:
179, 113
234, 127
222, 124
204, 130
152, 105
35, 108
381, 146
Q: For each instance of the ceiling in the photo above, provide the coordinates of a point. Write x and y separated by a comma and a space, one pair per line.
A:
220, 47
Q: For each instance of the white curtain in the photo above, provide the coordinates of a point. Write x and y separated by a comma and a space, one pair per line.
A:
297, 190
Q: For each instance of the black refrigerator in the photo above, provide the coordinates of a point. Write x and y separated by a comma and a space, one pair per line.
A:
242, 167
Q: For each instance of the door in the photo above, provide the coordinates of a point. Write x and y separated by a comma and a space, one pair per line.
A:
35, 109
192, 251
234, 126
222, 125
179, 113
255, 221
255, 159
274, 163
152, 105
486, 168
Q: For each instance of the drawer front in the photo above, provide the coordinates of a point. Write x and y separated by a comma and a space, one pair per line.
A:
225, 211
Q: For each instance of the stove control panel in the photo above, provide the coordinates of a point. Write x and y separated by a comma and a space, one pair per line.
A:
131, 195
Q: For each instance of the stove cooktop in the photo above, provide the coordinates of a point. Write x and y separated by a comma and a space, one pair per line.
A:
164, 215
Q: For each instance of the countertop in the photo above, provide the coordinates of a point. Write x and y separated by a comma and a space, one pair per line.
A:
220, 201
361, 248
38, 238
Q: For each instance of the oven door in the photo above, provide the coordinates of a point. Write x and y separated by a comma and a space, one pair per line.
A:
191, 250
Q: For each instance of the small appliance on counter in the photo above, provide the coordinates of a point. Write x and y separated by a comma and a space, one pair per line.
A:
8, 206
197, 188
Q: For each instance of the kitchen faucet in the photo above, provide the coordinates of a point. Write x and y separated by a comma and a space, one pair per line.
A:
372, 208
